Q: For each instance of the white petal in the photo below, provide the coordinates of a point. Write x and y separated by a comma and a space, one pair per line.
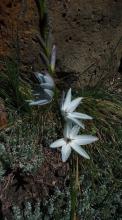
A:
39, 102
84, 139
49, 79
79, 150
80, 115
36, 94
58, 143
46, 86
45, 79
74, 104
74, 131
76, 121
62, 101
39, 76
49, 92
66, 151
67, 99
67, 130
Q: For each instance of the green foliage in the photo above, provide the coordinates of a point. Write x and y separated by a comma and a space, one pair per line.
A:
100, 177
21, 147
56, 207
17, 213
46, 51
101, 203
12, 90
41, 7
42, 10
3, 161
29, 213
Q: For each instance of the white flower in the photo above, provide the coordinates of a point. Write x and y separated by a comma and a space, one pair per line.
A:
68, 107
44, 91
46, 82
73, 141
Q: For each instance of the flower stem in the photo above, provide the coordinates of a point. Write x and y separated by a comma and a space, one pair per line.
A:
74, 185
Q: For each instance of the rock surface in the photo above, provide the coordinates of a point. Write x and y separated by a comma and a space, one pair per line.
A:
19, 21
86, 34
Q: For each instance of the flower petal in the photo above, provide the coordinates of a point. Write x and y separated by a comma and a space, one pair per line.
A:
74, 131
79, 150
39, 102
76, 121
80, 115
66, 151
45, 79
46, 86
67, 99
39, 76
49, 92
49, 79
62, 101
58, 143
74, 104
67, 129
85, 139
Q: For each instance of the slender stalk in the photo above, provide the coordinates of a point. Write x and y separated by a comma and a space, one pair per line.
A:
77, 174
72, 189
74, 185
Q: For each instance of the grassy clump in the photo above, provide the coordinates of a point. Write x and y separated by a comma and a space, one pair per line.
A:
28, 213
21, 146
100, 177
13, 90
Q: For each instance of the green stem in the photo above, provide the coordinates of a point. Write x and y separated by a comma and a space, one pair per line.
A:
74, 185
73, 189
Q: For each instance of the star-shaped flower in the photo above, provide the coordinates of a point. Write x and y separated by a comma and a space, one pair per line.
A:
73, 141
43, 92
68, 107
